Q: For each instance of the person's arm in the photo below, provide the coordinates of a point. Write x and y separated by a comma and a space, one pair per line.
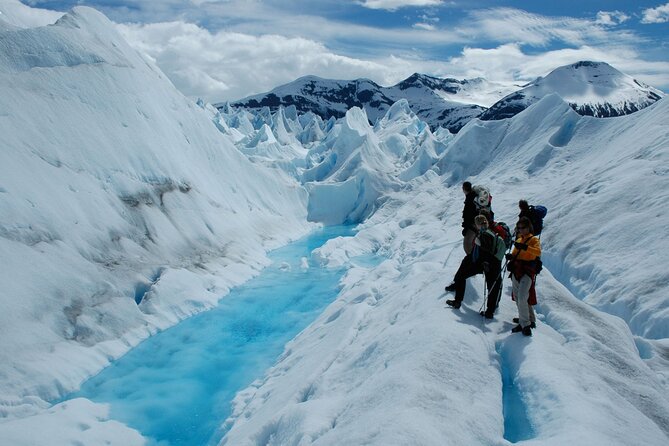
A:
529, 249
534, 247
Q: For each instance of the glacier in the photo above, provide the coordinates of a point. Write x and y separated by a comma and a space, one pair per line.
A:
127, 208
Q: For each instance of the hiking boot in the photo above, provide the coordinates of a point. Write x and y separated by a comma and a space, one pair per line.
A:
486, 314
450, 288
527, 331
517, 329
532, 324
453, 303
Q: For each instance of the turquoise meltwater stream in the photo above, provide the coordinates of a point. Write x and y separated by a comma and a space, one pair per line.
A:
176, 387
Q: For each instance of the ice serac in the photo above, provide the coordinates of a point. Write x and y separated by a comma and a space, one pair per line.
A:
123, 208
348, 173
349, 164
409, 141
591, 88
312, 131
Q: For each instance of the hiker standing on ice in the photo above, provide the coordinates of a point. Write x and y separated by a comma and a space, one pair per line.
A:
523, 267
469, 212
486, 258
536, 215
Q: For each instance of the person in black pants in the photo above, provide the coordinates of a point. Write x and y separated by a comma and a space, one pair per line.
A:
468, 213
482, 260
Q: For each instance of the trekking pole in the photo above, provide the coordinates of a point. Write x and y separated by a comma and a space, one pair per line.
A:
503, 270
485, 295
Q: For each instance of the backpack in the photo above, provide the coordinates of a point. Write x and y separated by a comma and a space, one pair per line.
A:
496, 245
483, 198
537, 214
502, 229
500, 248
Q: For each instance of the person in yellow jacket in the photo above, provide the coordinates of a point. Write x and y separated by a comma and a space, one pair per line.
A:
523, 262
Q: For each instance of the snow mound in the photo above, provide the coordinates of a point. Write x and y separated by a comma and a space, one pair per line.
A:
124, 209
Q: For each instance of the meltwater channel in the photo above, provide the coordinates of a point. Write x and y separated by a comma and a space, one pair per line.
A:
176, 387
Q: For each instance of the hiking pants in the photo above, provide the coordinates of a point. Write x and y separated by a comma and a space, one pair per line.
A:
521, 291
493, 280
468, 241
467, 269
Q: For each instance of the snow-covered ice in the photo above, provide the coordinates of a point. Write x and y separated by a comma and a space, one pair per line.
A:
126, 208
113, 188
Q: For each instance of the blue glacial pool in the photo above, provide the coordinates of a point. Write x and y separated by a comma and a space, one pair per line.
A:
175, 388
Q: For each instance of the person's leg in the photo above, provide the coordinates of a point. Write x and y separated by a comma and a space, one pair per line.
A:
464, 264
467, 269
494, 284
514, 287
521, 300
468, 241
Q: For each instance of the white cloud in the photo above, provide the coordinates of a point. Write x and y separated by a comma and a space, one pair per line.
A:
426, 18
509, 63
242, 59
656, 15
611, 18
393, 5
425, 26
229, 65
335, 32
506, 25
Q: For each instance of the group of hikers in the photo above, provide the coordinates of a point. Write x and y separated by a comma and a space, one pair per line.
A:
486, 244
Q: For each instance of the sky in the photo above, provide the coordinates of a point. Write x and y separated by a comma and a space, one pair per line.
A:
222, 50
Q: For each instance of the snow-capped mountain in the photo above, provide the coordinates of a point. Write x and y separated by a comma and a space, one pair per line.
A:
448, 103
590, 88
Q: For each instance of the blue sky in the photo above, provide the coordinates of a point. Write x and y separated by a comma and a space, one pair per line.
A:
226, 49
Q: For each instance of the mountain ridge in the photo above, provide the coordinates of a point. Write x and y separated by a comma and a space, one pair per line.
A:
332, 98
590, 88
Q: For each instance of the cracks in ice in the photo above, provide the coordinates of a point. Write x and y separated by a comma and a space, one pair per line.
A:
143, 288
517, 425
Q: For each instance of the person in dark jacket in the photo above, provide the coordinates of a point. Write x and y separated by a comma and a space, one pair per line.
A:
523, 268
469, 212
481, 260
526, 210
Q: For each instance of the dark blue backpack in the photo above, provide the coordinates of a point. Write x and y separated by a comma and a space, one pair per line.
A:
537, 214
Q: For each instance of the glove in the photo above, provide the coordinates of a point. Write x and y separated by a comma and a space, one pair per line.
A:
520, 246
508, 256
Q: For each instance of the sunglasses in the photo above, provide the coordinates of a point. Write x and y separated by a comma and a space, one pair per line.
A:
521, 227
